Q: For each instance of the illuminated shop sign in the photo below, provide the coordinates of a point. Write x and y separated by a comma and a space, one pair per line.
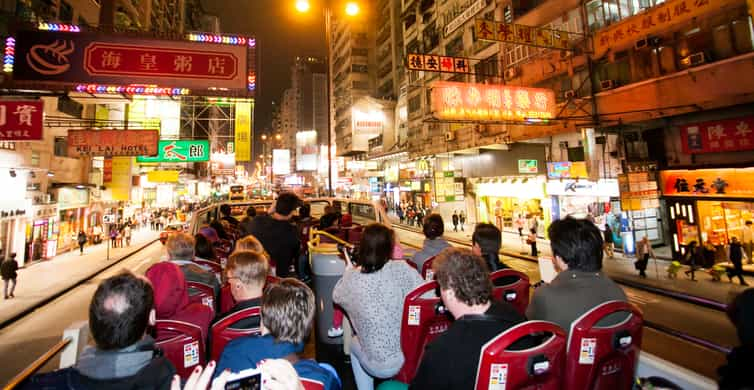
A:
484, 102
722, 183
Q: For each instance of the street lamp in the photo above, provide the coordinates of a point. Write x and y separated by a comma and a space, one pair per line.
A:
351, 9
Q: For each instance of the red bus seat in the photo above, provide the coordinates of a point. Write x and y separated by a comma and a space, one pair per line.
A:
226, 299
603, 357
539, 367
206, 295
181, 343
516, 293
222, 333
420, 325
427, 273
354, 233
311, 384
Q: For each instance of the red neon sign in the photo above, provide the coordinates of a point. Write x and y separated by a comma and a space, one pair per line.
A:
486, 102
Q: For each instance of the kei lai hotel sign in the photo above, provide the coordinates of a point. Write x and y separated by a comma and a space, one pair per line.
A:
489, 102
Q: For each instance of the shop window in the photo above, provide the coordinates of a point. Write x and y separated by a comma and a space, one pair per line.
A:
720, 221
61, 146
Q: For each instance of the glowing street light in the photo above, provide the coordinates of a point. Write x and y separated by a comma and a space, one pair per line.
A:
302, 5
352, 8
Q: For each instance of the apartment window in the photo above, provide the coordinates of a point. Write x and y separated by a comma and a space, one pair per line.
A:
415, 104
455, 47
488, 69
360, 85
359, 52
601, 13
359, 68
61, 146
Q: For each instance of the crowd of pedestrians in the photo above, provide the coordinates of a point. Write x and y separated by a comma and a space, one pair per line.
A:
257, 261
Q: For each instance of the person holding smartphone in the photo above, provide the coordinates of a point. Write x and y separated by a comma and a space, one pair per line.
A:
372, 294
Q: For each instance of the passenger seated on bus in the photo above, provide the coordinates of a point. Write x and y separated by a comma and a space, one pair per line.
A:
226, 215
287, 316
209, 233
278, 235
433, 229
329, 218
171, 299
180, 248
245, 225
203, 249
124, 356
451, 360
736, 373
250, 243
372, 294
485, 242
246, 273
580, 285
220, 229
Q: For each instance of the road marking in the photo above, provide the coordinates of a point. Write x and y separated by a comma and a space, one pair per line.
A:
640, 299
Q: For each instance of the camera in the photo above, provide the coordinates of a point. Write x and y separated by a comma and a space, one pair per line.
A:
351, 251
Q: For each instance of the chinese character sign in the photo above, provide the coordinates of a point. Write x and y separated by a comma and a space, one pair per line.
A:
730, 183
112, 142
179, 151
96, 58
486, 30
652, 21
21, 120
243, 131
435, 63
718, 136
489, 102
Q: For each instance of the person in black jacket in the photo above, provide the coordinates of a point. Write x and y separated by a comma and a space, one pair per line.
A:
736, 373
486, 242
124, 356
278, 235
736, 252
9, 269
451, 360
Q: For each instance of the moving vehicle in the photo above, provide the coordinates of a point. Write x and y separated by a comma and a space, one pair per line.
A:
172, 229
237, 192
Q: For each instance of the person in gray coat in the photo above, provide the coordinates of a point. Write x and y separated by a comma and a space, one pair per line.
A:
580, 285
433, 228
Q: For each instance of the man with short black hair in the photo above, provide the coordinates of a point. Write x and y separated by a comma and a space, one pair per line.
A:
278, 235
580, 286
226, 214
124, 356
450, 361
245, 224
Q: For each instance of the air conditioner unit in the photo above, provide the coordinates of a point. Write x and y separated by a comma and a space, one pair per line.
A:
450, 136
569, 94
641, 44
694, 59
511, 73
607, 84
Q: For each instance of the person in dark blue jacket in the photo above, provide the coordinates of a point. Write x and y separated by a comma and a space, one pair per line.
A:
287, 317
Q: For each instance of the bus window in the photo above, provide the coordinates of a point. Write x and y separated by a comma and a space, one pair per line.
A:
318, 208
362, 213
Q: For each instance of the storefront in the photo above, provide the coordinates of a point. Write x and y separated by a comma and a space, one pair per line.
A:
73, 211
42, 232
415, 183
583, 199
708, 206
14, 213
503, 200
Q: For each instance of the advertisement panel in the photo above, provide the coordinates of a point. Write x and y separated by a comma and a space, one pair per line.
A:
243, 131
281, 161
730, 135
96, 58
366, 124
163, 176
527, 166
223, 164
179, 151
120, 186
21, 120
566, 169
306, 150
722, 183
489, 102
112, 142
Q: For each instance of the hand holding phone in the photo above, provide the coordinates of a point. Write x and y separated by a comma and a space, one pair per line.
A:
250, 379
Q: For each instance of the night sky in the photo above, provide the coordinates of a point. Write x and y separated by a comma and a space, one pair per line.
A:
282, 34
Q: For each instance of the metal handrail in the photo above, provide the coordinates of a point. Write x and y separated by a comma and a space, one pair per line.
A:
37, 364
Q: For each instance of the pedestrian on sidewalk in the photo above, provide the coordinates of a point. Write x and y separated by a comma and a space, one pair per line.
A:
127, 234
735, 254
609, 242
462, 219
113, 236
81, 239
455, 220
748, 241
9, 269
693, 259
532, 240
643, 252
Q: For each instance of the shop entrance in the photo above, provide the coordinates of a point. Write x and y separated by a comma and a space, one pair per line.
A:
722, 220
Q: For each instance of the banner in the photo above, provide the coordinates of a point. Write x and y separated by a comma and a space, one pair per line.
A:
243, 131
112, 142
120, 186
179, 151
281, 161
162, 176
718, 136
487, 30
21, 120
223, 164
490, 102
435, 63
97, 58
306, 150
720, 183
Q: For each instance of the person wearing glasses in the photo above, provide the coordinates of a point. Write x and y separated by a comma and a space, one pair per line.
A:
246, 273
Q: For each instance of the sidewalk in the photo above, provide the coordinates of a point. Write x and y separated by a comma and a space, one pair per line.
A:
43, 280
621, 268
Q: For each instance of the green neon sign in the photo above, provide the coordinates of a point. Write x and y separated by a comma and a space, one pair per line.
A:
176, 151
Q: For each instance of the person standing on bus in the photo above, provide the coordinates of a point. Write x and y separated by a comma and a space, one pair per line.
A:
245, 224
227, 215
278, 235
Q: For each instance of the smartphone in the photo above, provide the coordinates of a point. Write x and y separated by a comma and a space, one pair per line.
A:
250, 379
347, 252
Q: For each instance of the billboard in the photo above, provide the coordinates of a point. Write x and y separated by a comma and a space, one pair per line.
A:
306, 150
179, 151
223, 164
112, 142
721, 136
490, 102
243, 131
281, 161
97, 58
21, 120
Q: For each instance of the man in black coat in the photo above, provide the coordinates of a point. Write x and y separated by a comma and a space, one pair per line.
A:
8, 270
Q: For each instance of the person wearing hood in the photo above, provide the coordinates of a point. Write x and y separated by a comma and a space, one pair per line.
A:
171, 298
433, 228
736, 373
124, 356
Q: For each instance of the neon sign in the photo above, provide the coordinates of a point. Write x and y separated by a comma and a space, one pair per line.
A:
486, 102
